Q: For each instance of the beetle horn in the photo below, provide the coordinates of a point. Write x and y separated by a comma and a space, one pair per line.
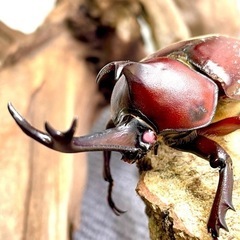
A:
107, 77
114, 68
122, 138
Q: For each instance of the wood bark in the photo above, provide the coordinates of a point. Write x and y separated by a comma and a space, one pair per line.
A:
41, 189
50, 76
7, 38
178, 189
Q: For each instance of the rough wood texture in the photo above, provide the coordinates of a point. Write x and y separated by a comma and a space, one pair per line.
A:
41, 189
174, 20
179, 189
166, 22
208, 17
7, 38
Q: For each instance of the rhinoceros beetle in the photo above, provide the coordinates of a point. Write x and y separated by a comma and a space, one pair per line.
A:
184, 93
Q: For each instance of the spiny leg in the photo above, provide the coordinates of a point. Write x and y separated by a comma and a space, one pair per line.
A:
218, 158
108, 177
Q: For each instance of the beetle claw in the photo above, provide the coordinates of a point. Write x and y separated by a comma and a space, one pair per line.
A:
219, 221
111, 203
222, 202
108, 177
214, 233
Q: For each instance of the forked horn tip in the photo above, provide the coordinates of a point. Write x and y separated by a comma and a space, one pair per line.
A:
63, 136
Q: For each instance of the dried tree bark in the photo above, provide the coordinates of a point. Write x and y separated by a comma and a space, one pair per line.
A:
7, 38
40, 189
178, 189
208, 17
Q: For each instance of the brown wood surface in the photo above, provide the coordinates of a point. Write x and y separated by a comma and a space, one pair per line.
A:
41, 189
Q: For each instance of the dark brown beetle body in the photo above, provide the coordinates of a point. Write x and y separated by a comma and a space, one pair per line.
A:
181, 93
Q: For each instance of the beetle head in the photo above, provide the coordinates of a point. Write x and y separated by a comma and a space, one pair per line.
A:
143, 136
131, 136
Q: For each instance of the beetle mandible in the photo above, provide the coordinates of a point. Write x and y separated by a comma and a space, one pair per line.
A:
178, 93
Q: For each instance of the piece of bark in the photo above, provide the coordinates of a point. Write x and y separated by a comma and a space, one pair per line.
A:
165, 22
41, 188
48, 76
179, 190
174, 20
7, 38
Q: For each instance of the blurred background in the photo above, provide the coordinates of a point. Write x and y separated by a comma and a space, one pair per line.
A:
50, 53
25, 16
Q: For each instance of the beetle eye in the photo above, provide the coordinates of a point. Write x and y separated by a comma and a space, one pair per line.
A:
126, 119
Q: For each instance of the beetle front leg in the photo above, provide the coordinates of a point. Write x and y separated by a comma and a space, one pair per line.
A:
218, 158
108, 177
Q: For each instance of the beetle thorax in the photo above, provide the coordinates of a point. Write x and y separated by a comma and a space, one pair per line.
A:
171, 95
